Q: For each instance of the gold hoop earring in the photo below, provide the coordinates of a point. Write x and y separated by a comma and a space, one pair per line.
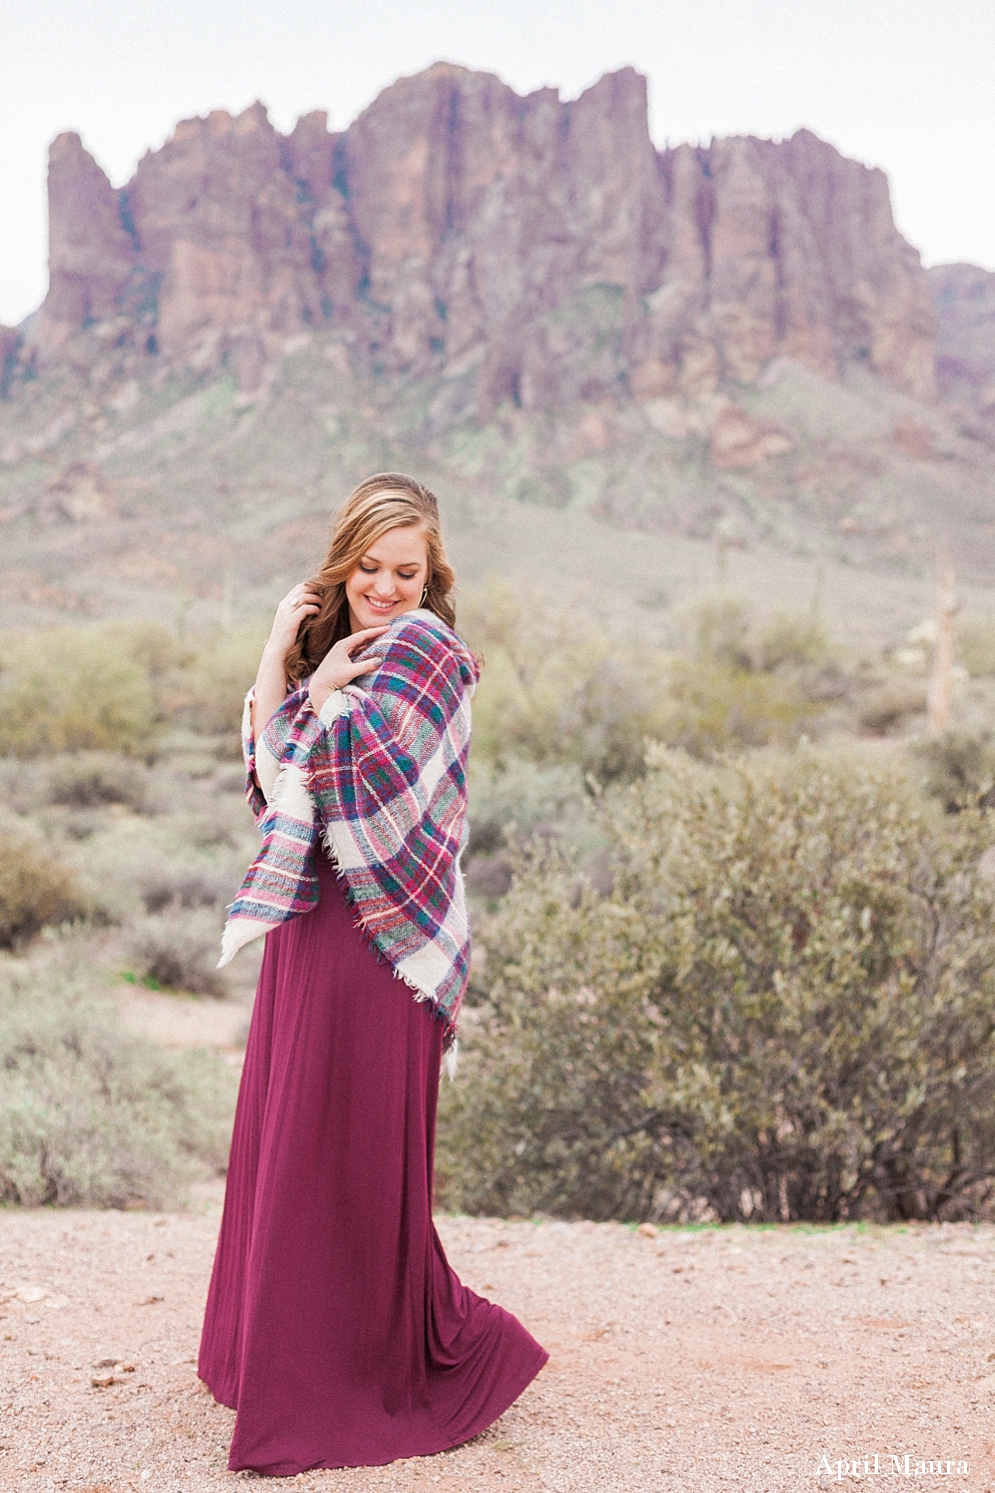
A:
423, 595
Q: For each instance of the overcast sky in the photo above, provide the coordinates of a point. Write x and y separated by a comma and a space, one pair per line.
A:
902, 84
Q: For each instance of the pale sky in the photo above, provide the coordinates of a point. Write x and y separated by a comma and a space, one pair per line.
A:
908, 85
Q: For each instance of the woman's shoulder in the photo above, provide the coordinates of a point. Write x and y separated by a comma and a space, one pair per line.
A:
423, 628
420, 637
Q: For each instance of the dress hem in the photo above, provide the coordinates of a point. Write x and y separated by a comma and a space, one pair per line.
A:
446, 1444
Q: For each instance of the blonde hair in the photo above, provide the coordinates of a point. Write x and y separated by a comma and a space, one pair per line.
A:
381, 503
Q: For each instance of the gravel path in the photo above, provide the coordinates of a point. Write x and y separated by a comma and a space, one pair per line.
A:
730, 1359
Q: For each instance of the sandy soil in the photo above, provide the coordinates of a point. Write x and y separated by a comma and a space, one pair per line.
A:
721, 1359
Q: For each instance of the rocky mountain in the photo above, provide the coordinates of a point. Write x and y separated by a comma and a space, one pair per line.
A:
524, 248
521, 298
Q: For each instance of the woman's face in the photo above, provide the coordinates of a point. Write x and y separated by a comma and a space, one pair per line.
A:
389, 578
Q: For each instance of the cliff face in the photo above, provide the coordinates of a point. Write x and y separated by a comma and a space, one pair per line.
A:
522, 248
964, 297
91, 255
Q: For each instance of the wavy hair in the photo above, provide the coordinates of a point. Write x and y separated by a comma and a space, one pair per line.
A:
386, 501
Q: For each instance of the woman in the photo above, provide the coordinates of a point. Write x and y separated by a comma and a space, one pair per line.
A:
334, 1325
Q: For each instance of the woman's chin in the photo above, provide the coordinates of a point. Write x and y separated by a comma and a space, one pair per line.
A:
373, 618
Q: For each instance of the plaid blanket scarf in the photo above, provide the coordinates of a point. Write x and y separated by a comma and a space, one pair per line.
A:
380, 778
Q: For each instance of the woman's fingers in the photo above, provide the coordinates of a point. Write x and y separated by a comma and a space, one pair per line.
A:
299, 596
364, 666
297, 605
363, 636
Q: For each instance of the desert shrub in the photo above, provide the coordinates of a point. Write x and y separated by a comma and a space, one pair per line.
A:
783, 1008
36, 891
113, 687
885, 705
214, 823
156, 649
740, 686
793, 640
558, 689
131, 865
959, 768
90, 1114
975, 644
184, 886
206, 692
525, 798
517, 802
724, 631
73, 689
23, 785
89, 780
178, 949
716, 709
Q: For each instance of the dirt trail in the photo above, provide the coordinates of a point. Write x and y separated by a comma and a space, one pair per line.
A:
730, 1359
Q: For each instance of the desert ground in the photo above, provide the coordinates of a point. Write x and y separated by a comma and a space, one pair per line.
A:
681, 1361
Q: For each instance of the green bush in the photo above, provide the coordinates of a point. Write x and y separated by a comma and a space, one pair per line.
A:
558, 689
524, 798
715, 708
113, 687
721, 634
517, 802
156, 649
960, 768
73, 689
784, 1008
740, 687
90, 1114
560, 697
206, 692
793, 640
35, 890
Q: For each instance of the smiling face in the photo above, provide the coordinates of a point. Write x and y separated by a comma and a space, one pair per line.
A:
389, 578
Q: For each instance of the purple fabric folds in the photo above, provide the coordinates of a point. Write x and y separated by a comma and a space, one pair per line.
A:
334, 1325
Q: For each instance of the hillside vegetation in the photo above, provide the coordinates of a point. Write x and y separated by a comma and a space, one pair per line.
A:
731, 912
190, 501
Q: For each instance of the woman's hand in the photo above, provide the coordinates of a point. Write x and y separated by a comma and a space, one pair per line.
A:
295, 608
338, 667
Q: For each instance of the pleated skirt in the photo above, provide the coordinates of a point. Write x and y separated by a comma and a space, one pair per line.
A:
335, 1326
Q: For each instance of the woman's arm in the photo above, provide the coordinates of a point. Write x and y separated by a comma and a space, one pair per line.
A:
270, 689
271, 678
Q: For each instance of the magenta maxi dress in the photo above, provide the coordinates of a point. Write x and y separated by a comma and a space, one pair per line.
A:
335, 1327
